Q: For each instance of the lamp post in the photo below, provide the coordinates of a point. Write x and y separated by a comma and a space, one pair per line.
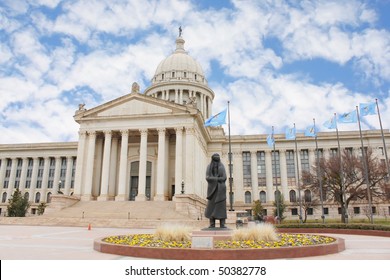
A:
182, 187
59, 187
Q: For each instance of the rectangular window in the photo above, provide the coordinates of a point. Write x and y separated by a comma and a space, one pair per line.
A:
310, 211
29, 173
349, 151
50, 184
39, 184
305, 166
373, 210
294, 211
28, 184
339, 210
326, 211
6, 184
51, 173
40, 173
333, 152
356, 210
261, 172
246, 166
290, 162
276, 168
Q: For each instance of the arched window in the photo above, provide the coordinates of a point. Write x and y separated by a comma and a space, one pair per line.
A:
307, 196
27, 195
48, 197
248, 197
37, 197
293, 196
4, 197
263, 197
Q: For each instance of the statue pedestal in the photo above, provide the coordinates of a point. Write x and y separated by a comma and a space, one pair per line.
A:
204, 239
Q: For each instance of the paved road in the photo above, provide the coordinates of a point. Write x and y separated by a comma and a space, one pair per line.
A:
76, 243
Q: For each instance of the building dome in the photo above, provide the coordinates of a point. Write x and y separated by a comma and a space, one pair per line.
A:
179, 66
180, 79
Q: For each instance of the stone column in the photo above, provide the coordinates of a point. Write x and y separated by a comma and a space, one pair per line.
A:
11, 184
189, 162
78, 180
113, 181
57, 173
68, 175
255, 183
45, 175
179, 160
269, 178
34, 179
142, 165
283, 173
180, 96
87, 195
106, 166
238, 173
23, 175
160, 165
121, 196
176, 96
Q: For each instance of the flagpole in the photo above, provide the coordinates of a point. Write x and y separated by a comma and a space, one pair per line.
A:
344, 206
383, 139
230, 164
365, 168
299, 185
319, 173
276, 180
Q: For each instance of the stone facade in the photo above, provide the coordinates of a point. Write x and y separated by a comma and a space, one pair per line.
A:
151, 146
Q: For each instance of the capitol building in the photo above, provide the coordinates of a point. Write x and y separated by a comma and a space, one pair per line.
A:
153, 146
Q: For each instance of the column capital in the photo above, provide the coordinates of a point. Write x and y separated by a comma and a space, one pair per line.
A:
124, 132
107, 132
143, 131
179, 129
82, 133
161, 130
92, 133
190, 130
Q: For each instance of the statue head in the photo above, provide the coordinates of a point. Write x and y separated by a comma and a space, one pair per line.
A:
216, 157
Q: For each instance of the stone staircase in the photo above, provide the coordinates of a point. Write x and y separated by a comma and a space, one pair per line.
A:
127, 214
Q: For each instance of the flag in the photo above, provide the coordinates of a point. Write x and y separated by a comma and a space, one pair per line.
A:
270, 140
217, 119
311, 131
290, 133
367, 109
350, 117
331, 123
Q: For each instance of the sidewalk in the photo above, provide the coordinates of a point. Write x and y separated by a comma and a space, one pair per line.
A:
76, 243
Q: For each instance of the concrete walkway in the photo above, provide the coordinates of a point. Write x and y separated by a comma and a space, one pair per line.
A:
76, 243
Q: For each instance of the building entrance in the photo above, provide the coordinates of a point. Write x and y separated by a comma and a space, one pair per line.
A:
134, 180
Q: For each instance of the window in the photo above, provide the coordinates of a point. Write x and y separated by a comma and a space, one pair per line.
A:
373, 210
333, 152
293, 196
290, 168
339, 210
326, 211
185, 74
320, 153
37, 197
261, 172
349, 151
27, 195
173, 74
305, 166
294, 211
263, 197
162, 76
356, 210
28, 184
277, 195
4, 197
248, 197
307, 195
246, 162
48, 197
276, 168
310, 211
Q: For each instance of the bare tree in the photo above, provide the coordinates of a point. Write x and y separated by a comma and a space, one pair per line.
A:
353, 175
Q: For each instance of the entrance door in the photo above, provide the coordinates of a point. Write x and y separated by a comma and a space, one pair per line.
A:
133, 187
134, 180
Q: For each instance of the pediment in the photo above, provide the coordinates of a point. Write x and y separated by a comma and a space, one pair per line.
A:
133, 105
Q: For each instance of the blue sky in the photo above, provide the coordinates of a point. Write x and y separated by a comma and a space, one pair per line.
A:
278, 62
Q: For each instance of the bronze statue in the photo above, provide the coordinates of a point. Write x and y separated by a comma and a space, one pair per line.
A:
216, 192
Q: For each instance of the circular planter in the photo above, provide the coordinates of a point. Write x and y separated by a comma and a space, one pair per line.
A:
220, 254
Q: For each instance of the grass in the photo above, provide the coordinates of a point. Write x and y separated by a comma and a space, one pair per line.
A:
168, 233
260, 232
